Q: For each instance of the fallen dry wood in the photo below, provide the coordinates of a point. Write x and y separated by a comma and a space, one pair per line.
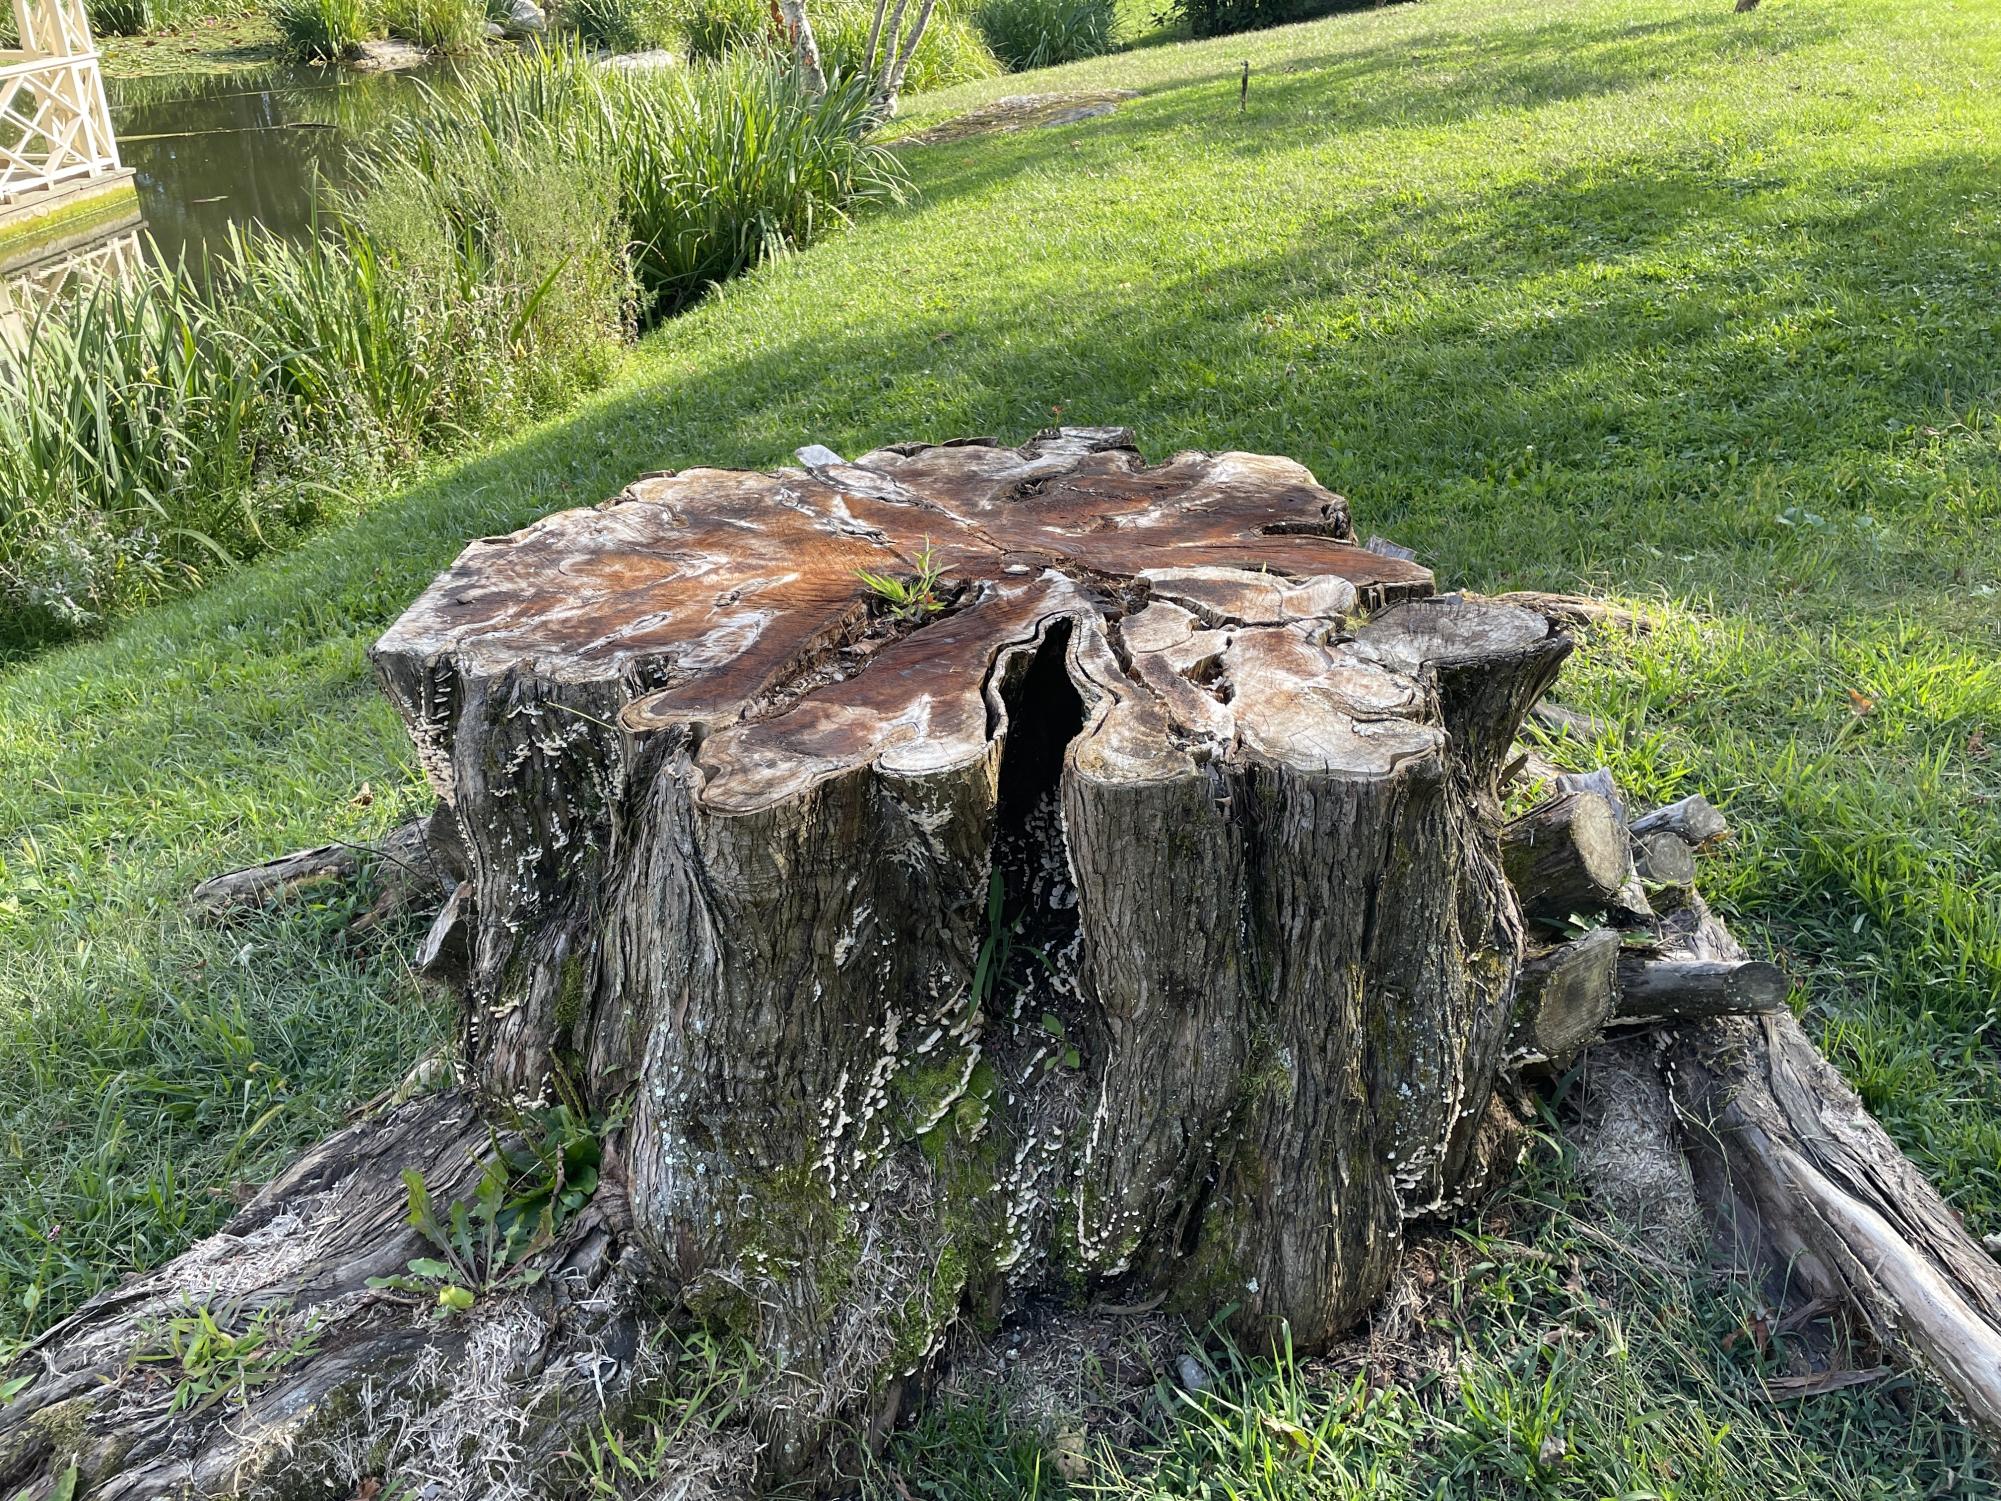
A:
1805, 1191
404, 860
355, 1381
1569, 856
1694, 819
1693, 989
1809, 1186
1578, 611
1666, 864
1564, 998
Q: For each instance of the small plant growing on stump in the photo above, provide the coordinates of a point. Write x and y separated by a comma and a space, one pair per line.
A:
210, 1364
527, 1192
912, 599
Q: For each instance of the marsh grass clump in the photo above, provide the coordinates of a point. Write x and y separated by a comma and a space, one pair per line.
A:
449, 26
1027, 34
322, 31
619, 25
721, 166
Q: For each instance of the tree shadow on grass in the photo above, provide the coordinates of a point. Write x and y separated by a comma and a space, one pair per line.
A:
1440, 76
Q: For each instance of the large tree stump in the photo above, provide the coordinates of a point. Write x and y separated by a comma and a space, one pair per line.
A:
733, 833
1109, 901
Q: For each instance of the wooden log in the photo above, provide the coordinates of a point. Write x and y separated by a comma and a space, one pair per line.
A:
1665, 862
1809, 1196
1598, 780
404, 860
1810, 1188
1693, 819
1563, 1000
1693, 989
1569, 856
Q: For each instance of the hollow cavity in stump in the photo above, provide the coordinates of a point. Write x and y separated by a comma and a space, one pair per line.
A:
1136, 914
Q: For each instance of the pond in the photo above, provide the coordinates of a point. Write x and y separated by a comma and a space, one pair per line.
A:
212, 150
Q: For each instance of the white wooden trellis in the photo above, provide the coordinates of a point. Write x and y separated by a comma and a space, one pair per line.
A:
54, 124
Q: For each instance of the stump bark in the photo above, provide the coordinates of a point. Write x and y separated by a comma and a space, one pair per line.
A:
960, 876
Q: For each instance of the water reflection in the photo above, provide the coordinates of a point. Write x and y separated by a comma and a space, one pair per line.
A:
215, 150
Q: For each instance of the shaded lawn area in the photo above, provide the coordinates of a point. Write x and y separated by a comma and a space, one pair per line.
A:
1672, 304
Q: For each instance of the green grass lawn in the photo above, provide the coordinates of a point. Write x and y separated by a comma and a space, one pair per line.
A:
1619, 296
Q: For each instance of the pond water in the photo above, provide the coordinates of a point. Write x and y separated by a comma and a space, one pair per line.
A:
212, 150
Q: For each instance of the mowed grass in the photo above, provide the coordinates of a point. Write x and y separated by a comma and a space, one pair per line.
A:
1644, 299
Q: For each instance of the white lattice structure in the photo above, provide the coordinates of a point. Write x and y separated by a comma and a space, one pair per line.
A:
54, 125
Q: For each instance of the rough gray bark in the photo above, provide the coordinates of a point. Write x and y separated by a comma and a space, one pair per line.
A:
1808, 1187
1807, 1194
1629, 1148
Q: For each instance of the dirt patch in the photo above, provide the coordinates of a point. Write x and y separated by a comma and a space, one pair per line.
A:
1020, 111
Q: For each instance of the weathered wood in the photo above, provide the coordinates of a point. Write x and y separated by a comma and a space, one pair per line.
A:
1692, 989
1804, 1190
1577, 611
1599, 782
1693, 819
1569, 856
1664, 859
1810, 1188
731, 831
403, 860
1621, 1125
1563, 1000
378, 1387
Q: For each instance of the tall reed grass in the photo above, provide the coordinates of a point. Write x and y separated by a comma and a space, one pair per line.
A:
495, 252
322, 31
1028, 34
450, 26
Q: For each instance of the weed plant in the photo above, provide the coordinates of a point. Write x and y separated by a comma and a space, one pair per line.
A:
323, 31
1042, 33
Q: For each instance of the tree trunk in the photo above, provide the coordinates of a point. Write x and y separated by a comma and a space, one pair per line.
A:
740, 838
805, 46
896, 58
